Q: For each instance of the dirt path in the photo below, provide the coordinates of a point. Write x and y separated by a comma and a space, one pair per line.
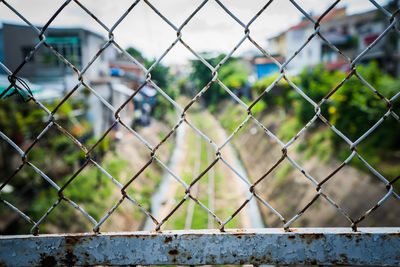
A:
227, 195
135, 154
220, 189
234, 186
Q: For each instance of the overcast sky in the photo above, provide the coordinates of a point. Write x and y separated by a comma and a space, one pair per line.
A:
210, 30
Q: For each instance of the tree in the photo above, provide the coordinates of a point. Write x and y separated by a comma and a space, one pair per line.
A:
160, 73
233, 73
135, 53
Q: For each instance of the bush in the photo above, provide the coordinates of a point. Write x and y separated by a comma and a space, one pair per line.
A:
353, 109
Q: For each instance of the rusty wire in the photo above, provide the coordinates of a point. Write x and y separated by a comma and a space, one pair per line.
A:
189, 189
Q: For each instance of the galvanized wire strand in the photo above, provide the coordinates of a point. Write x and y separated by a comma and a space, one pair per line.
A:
195, 190
190, 189
210, 189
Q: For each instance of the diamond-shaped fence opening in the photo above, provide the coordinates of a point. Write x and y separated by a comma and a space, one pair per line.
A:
202, 162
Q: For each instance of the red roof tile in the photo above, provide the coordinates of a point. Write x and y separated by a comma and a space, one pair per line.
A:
331, 15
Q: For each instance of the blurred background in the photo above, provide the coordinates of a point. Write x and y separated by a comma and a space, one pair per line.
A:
351, 26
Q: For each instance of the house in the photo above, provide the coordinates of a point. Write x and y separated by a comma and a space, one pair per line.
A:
265, 66
54, 79
77, 45
354, 33
277, 44
288, 42
127, 71
349, 33
1, 47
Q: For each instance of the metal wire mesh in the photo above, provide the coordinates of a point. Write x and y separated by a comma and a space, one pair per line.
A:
190, 188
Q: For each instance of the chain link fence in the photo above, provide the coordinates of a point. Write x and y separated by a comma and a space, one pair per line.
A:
18, 86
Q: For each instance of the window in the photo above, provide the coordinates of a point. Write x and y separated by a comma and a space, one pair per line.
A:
69, 47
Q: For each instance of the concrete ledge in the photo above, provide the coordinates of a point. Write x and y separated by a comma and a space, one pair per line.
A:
316, 246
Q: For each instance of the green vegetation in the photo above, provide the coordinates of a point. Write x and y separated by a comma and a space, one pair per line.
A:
233, 73
91, 189
59, 157
282, 172
353, 109
200, 216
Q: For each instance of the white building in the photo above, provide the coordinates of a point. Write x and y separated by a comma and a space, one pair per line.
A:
350, 34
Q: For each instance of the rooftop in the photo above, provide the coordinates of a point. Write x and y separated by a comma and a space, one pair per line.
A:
333, 14
54, 29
